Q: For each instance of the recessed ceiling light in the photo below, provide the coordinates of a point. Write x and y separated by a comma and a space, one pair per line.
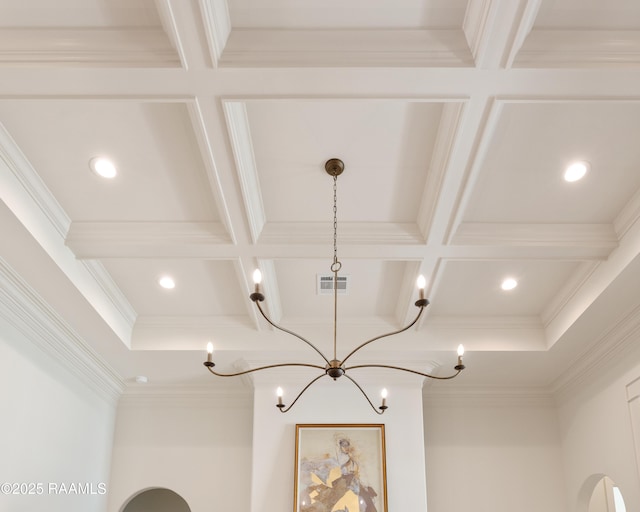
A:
167, 282
103, 167
142, 379
576, 171
509, 284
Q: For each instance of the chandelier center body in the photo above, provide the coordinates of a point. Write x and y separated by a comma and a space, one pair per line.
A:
335, 369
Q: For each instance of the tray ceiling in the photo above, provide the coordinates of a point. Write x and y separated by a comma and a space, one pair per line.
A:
455, 120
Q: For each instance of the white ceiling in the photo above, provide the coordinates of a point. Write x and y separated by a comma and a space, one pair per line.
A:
455, 121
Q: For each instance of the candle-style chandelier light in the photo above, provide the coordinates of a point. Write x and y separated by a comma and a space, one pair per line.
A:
334, 368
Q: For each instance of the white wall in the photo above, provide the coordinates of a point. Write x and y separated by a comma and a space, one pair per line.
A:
633, 397
483, 453
493, 454
197, 446
597, 435
54, 430
487, 453
337, 402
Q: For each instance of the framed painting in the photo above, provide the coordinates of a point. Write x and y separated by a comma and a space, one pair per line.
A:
340, 468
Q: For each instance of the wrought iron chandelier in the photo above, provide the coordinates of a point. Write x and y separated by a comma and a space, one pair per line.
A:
335, 368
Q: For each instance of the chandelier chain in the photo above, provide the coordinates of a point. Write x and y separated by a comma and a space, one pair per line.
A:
335, 267
335, 221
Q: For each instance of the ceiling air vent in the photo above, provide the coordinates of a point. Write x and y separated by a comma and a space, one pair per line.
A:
325, 284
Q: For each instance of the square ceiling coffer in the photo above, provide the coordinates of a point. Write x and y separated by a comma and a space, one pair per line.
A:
325, 284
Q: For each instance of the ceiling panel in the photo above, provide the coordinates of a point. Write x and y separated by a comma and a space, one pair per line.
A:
582, 34
220, 128
472, 288
386, 148
374, 287
521, 177
589, 14
161, 176
79, 13
202, 287
350, 14
91, 33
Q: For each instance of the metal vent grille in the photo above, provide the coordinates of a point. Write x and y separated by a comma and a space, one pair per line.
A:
325, 284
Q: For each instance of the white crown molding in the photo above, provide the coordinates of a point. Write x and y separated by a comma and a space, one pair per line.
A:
484, 322
191, 322
464, 397
169, 24
609, 346
353, 322
496, 29
239, 333
29, 180
601, 236
524, 27
33, 204
489, 28
357, 48
104, 47
485, 114
217, 26
240, 135
579, 48
441, 333
568, 292
201, 113
95, 240
487, 333
21, 306
596, 280
477, 26
351, 233
111, 290
172, 332
633, 390
448, 132
207, 396
628, 217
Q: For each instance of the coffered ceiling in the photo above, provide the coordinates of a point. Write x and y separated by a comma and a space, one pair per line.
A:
455, 119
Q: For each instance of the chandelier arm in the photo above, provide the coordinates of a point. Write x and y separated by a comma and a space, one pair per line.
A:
381, 412
384, 335
404, 370
264, 315
285, 409
279, 365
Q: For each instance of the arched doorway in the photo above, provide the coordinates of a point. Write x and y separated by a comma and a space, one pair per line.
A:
606, 497
157, 500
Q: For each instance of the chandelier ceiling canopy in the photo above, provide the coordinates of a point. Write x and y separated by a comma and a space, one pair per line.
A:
334, 368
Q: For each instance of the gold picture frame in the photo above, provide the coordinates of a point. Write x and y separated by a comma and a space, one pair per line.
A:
340, 468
